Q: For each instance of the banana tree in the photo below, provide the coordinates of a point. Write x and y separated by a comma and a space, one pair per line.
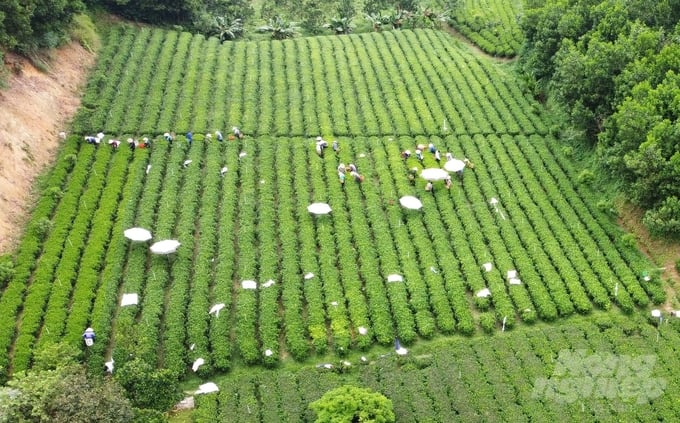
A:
340, 25
377, 20
228, 30
279, 28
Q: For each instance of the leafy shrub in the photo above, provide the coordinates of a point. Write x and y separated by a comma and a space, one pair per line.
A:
6, 271
145, 415
279, 28
55, 355
628, 241
70, 160
349, 403
488, 322
84, 32
42, 227
528, 315
147, 387
54, 192
3, 72
606, 206
586, 177
604, 322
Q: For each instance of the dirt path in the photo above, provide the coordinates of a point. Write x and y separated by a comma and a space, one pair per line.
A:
457, 35
663, 253
34, 108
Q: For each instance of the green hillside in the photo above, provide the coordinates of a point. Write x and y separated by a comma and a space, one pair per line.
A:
517, 226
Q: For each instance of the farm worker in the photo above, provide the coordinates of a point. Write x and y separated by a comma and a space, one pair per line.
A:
419, 154
89, 336
90, 140
429, 187
146, 142
341, 168
114, 143
431, 148
132, 144
341, 176
449, 157
448, 182
356, 176
223, 171
412, 177
405, 154
237, 132
336, 146
351, 167
468, 163
320, 146
219, 136
190, 138
437, 156
168, 137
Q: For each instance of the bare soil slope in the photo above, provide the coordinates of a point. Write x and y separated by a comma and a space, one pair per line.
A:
34, 108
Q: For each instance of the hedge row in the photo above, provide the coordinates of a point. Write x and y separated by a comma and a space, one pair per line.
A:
498, 378
31, 248
43, 278
150, 81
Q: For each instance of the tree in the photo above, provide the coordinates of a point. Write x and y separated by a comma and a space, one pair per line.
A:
640, 142
377, 7
312, 17
15, 22
66, 395
352, 404
410, 5
29, 25
611, 66
195, 14
346, 9
664, 220
222, 17
58, 390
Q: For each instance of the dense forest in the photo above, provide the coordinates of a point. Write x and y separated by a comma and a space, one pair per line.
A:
612, 66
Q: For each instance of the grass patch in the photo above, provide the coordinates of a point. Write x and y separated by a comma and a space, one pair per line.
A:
85, 33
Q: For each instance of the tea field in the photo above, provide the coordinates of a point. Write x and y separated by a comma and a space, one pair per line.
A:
600, 369
492, 25
515, 240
